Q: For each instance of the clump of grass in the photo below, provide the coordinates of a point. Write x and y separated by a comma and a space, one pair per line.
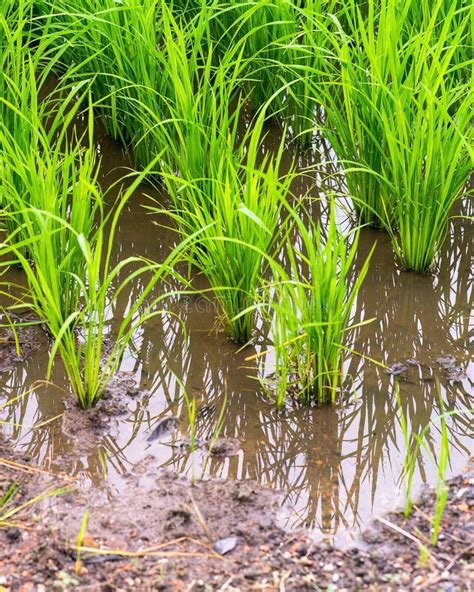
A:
203, 105
267, 28
239, 212
72, 282
162, 93
10, 510
33, 112
116, 46
352, 92
311, 302
51, 198
398, 119
429, 149
302, 60
89, 352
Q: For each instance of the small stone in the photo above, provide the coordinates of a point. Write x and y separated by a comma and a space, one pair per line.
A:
226, 545
328, 567
448, 587
13, 534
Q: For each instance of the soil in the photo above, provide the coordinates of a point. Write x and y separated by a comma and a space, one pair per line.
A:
19, 345
164, 534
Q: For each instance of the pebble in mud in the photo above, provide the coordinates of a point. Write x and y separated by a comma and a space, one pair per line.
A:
225, 545
225, 447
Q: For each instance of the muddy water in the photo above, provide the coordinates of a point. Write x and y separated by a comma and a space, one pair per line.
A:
337, 466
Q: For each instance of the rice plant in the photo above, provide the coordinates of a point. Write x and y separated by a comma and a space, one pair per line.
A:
72, 282
302, 62
26, 104
358, 72
239, 209
150, 96
58, 201
310, 310
429, 150
202, 101
415, 443
116, 46
267, 28
90, 354
10, 509
398, 119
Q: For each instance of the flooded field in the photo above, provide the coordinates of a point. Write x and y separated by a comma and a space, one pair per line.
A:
236, 296
335, 466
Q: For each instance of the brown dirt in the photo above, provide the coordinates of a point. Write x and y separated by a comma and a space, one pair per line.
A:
171, 526
159, 533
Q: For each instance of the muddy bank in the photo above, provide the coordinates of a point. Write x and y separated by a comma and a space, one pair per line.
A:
216, 535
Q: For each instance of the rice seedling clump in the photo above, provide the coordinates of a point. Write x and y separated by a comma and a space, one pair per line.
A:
311, 300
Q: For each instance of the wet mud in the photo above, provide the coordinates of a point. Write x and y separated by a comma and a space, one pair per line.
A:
220, 535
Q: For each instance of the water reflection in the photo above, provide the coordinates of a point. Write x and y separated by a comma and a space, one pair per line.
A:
337, 465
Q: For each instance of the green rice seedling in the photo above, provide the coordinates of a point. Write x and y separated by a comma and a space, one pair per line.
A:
310, 311
81, 535
27, 105
358, 71
45, 187
429, 150
441, 488
71, 281
430, 162
453, 12
89, 353
198, 123
391, 120
9, 510
304, 66
241, 213
414, 444
172, 91
283, 46
267, 28
22, 49
117, 46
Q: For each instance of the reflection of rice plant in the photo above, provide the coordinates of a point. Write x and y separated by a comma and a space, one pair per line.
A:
311, 308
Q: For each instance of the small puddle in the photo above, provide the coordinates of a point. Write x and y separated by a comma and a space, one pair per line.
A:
336, 466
